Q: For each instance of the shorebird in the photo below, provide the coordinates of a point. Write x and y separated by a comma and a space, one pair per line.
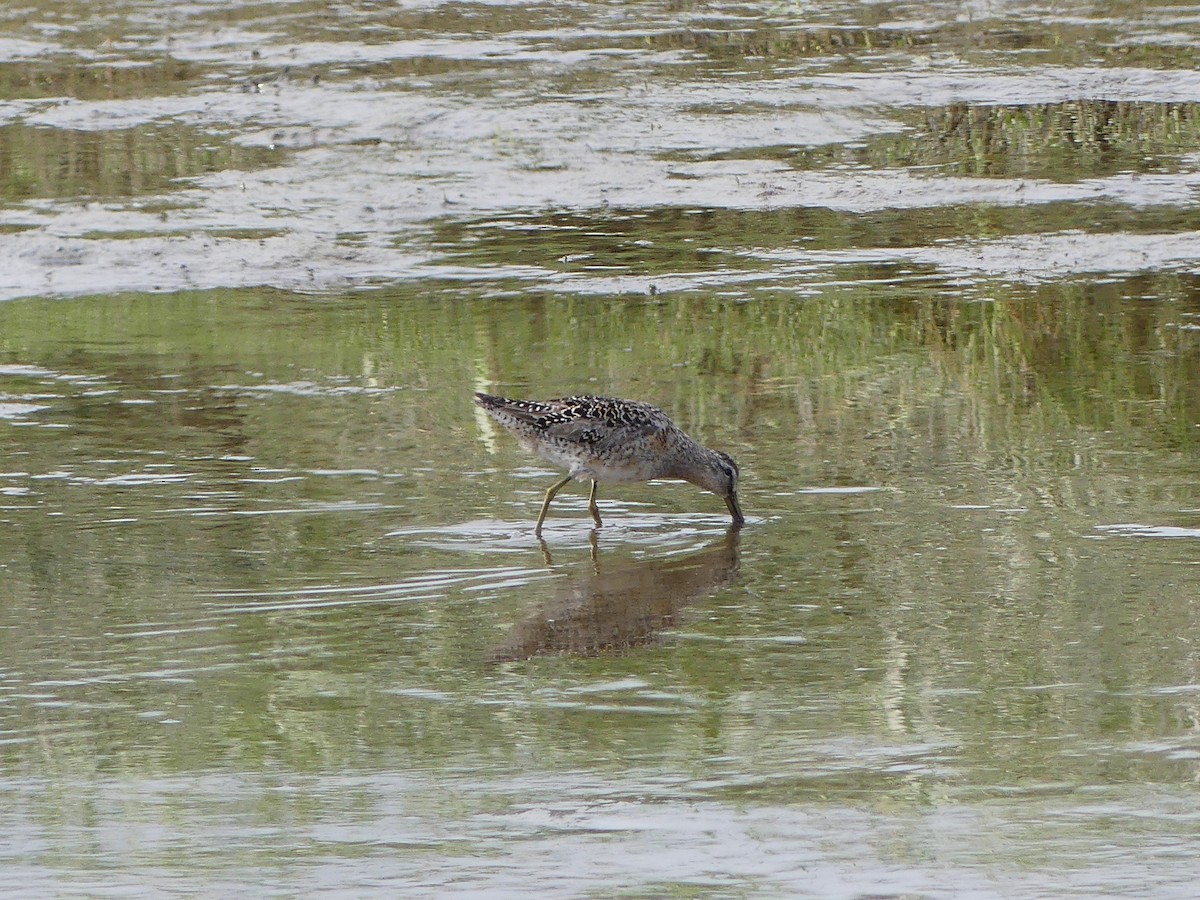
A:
614, 441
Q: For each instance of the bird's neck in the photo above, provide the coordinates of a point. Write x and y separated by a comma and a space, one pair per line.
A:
695, 463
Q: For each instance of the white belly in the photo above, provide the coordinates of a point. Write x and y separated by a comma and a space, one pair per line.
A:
607, 474
604, 471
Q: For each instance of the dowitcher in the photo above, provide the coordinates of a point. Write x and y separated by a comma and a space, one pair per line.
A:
614, 441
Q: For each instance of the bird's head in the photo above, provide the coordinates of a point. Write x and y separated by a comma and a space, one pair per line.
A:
724, 480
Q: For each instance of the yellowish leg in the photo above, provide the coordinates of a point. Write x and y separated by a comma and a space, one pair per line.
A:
592, 508
554, 489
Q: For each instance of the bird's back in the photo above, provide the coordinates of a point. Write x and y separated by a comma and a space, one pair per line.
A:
604, 438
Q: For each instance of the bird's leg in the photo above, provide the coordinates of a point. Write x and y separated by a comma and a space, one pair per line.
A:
554, 489
592, 508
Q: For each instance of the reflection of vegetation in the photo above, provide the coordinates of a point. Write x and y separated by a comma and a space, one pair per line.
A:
665, 242
861, 37
55, 162
1061, 141
1055, 141
1083, 349
68, 77
765, 42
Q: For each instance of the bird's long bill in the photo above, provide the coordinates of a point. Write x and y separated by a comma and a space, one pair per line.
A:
734, 509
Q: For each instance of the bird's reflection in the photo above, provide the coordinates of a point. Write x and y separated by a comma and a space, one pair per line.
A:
620, 604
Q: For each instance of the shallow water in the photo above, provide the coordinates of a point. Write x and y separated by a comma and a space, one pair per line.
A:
276, 620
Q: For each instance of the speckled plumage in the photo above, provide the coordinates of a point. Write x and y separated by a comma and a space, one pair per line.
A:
608, 440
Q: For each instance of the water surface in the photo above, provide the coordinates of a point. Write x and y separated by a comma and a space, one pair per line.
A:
276, 620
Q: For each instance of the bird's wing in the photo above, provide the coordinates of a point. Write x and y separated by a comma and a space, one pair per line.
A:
600, 422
